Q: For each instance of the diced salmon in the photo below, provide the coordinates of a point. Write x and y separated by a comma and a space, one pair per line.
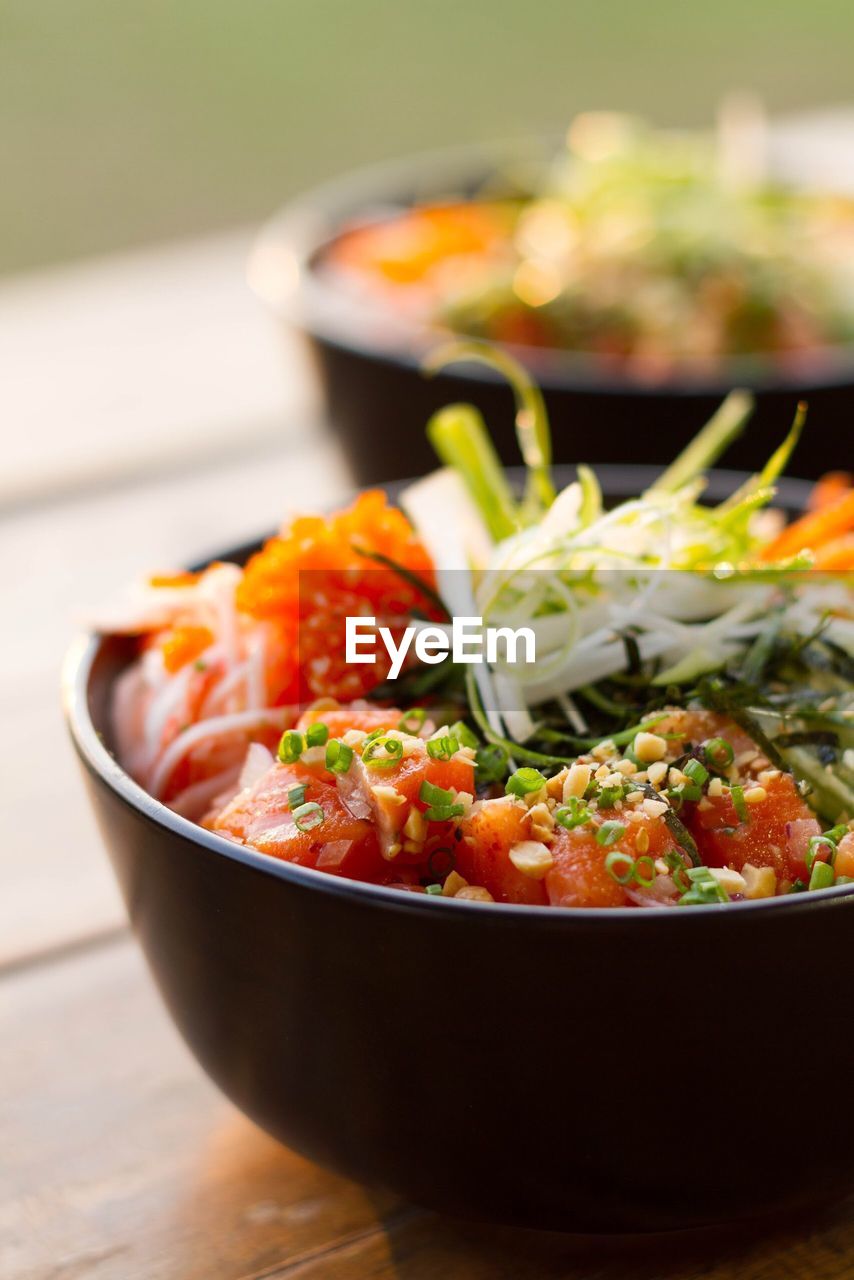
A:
776, 834
342, 844
483, 853
579, 877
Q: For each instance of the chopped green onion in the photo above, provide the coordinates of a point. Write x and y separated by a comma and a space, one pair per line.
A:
573, 814
719, 753
412, 721
490, 763
296, 795
609, 833
740, 804
814, 851
704, 888
698, 773
687, 791
440, 803
382, 753
620, 866
524, 782
291, 746
836, 833
317, 735
607, 797
464, 735
678, 871
375, 733
644, 871
433, 889
308, 816
442, 748
822, 876
339, 756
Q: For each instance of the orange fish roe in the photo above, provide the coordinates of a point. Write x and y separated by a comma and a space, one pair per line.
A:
183, 644
305, 582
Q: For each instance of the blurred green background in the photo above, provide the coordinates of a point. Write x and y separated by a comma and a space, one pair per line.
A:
124, 121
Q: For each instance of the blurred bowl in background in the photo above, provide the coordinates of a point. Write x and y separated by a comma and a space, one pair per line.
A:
367, 357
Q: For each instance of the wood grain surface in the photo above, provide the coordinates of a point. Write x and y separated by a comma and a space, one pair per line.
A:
120, 1161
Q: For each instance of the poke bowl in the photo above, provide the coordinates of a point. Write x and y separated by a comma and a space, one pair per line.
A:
369, 269
579, 980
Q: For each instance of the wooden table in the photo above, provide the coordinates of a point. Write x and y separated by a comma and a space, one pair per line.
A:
118, 1159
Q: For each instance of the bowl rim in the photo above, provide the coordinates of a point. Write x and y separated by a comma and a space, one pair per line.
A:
281, 272
77, 672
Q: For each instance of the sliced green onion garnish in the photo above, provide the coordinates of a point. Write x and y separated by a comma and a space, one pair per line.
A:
375, 733
490, 763
820, 849
524, 782
620, 866
382, 753
412, 721
719, 753
291, 746
644, 871
464, 735
698, 773
704, 888
740, 804
608, 796
308, 816
442, 748
822, 876
296, 795
441, 806
317, 735
433, 889
573, 814
609, 833
339, 756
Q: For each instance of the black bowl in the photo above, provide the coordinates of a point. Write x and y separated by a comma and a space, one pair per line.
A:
378, 401
599, 1070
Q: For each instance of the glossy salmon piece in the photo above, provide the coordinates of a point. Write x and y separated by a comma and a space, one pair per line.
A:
776, 834
579, 877
261, 818
483, 854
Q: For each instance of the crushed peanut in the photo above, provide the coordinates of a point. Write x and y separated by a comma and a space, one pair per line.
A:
542, 823
755, 795
453, 883
760, 882
474, 893
604, 750
716, 787
642, 840
577, 781
532, 858
655, 808
727, 878
657, 772
649, 747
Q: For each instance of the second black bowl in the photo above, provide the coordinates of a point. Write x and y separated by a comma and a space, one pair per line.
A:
378, 401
